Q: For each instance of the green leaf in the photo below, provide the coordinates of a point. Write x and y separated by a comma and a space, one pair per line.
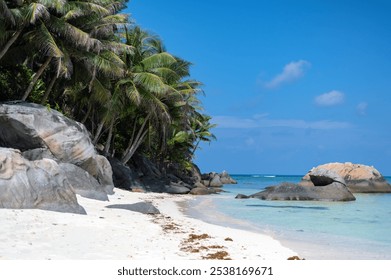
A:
34, 12
158, 60
45, 42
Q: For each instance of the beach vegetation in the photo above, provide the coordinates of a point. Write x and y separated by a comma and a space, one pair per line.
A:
91, 62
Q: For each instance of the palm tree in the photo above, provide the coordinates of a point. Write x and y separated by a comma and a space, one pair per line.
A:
53, 31
121, 83
142, 90
15, 17
77, 33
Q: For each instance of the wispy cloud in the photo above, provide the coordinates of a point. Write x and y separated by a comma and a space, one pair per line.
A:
331, 98
256, 122
362, 108
291, 72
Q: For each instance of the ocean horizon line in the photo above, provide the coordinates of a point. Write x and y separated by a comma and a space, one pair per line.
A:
266, 175
270, 175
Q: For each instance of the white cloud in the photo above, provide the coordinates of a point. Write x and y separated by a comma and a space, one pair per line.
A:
331, 98
252, 123
291, 72
250, 141
362, 108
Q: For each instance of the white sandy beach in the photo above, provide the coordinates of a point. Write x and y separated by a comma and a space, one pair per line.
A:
117, 234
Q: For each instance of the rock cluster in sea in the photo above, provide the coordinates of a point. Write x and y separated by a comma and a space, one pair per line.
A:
329, 182
359, 178
212, 183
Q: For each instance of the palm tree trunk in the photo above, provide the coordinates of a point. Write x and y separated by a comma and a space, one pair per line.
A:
48, 90
135, 143
87, 114
10, 42
134, 147
36, 77
98, 132
109, 136
195, 147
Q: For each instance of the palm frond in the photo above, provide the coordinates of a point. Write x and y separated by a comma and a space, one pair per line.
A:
109, 64
182, 67
156, 106
100, 93
129, 87
166, 73
73, 13
73, 34
118, 47
56, 5
106, 25
34, 12
6, 13
150, 82
158, 60
45, 41
66, 69
115, 6
90, 8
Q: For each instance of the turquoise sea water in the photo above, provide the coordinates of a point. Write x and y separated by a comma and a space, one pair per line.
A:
358, 229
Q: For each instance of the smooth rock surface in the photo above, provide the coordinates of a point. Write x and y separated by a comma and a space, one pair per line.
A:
175, 188
286, 191
83, 183
34, 184
226, 179
34, 128
359, 178
124, 177
141, 207
205, 191
329, 187
215, 182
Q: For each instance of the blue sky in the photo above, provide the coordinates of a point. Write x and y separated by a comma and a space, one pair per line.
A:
290, 84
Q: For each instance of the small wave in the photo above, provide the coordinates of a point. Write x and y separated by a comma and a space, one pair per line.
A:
288, 206
270, 176
255, 176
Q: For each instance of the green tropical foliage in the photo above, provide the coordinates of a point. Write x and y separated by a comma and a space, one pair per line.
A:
88, 60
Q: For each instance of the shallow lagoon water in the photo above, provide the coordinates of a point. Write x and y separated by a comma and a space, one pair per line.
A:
358, 229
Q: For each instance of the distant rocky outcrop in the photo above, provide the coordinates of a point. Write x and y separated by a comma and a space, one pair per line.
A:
326, 186
216, 180
359, 178
56, 156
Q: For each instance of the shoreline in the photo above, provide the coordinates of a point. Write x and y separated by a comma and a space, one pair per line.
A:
304, 244
110, 233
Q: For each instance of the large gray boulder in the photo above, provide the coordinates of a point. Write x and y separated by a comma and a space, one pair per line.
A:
226, 179
34, 184
215, 182
359, 178
177, 188
83, 183
32, 128
124, 177
326, 186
